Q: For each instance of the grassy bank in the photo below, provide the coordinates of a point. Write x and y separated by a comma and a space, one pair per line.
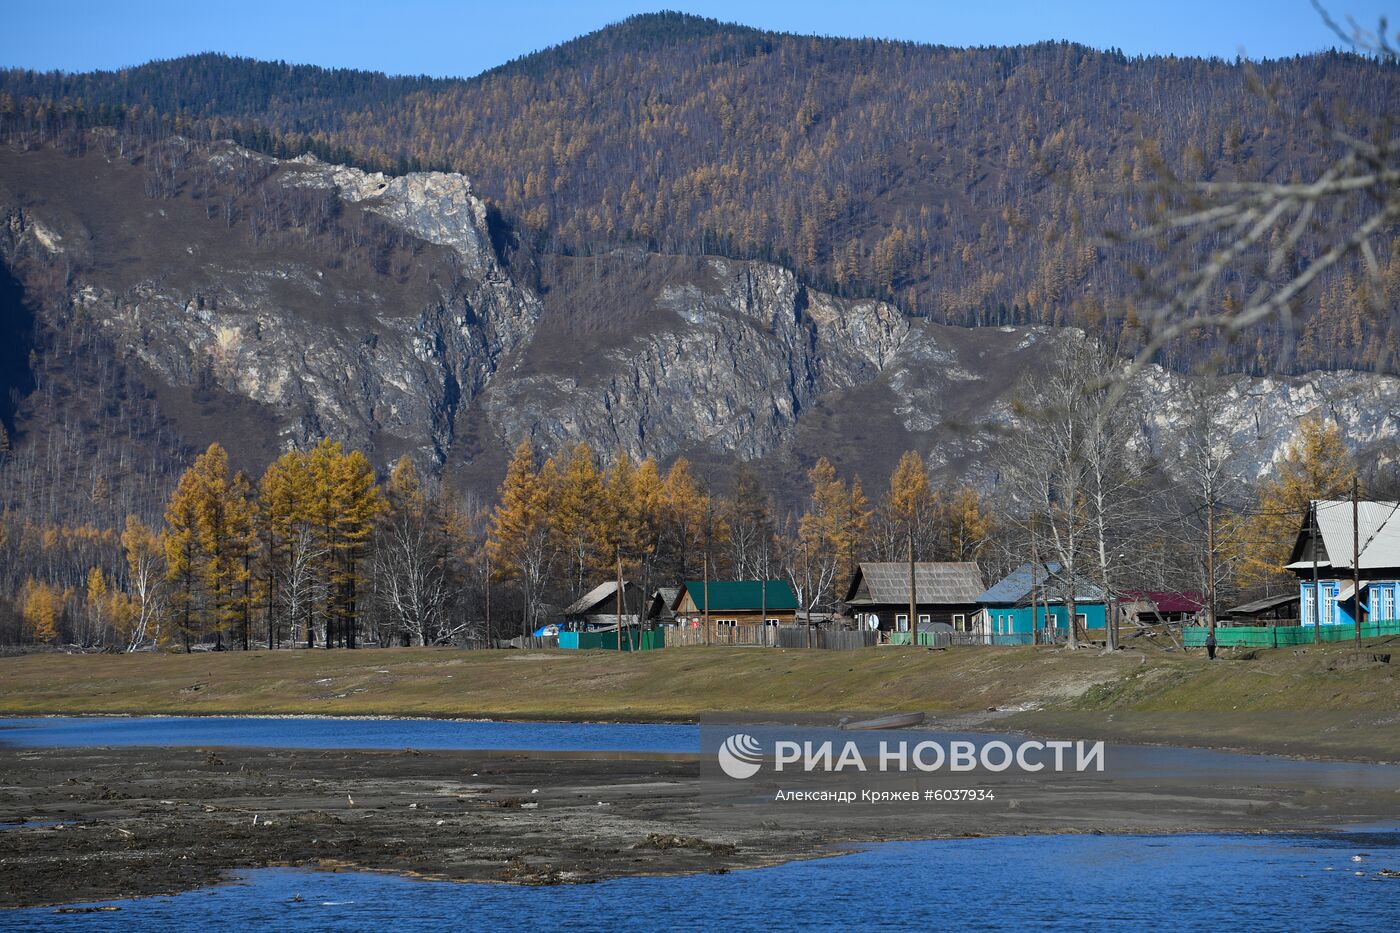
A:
690, 682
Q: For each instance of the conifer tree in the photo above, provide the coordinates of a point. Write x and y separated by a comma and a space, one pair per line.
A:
1317, 465
183, 555
521, 543
41, 610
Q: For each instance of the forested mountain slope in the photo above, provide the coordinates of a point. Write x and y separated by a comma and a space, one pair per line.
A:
966, 186
180, 294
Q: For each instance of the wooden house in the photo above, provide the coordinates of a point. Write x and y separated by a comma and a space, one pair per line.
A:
597, 609
1007, 606
1324, 547
946, 592
733, 603
661, 606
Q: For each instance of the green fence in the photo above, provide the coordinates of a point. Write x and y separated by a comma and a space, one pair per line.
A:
632, 640
1274, 636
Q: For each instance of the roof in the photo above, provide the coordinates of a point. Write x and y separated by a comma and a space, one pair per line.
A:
601, 593
1263, 605
951, 582
1015, 587
1168, 601
1378, 524
739, 595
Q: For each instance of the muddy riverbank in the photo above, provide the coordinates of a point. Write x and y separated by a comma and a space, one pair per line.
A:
111, 822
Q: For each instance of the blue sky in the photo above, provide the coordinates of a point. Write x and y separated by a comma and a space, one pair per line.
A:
442, 37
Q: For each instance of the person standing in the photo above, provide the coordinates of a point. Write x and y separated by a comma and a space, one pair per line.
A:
1210, 643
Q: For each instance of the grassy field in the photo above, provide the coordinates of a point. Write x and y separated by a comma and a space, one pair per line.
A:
691, 682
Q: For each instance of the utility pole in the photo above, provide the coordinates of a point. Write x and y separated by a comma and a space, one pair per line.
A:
763, 597
1356, 556
706, 597
619, 598
1317, 587
913, 599
488, 599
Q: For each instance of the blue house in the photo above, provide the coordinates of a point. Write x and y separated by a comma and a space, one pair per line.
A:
1324, 546
1006, 607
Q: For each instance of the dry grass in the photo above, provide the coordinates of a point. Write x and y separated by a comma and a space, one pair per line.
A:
690, 682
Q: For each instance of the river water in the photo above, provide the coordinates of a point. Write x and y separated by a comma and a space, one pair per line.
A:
1203, 882
1130, 883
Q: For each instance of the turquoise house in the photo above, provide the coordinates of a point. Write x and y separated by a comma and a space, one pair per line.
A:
1006, 607
1324, 547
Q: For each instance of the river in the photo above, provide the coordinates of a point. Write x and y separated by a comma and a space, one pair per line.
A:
1329, 881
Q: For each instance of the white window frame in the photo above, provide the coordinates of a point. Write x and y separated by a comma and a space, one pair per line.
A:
901, 622
959, 621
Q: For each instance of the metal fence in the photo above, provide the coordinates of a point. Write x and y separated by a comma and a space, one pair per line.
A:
1275, 636
957, 639
753, 635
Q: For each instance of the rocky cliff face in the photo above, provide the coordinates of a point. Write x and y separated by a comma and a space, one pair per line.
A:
379, 310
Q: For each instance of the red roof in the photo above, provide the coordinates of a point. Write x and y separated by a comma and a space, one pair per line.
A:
1168, 602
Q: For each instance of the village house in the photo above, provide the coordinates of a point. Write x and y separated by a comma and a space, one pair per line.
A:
596, 610
733, 603
1007, 618
946, 593
661, 606
1322, 560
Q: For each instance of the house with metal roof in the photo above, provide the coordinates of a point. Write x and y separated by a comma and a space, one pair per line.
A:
1322, 559
1028, 605
945, 593
730, 603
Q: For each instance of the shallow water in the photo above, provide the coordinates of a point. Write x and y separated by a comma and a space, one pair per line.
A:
1124, 761
331, 732
1206, 883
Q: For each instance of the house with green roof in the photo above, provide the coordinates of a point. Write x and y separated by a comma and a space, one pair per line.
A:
731, 603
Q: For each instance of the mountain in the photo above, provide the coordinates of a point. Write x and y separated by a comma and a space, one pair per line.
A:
177, 294
964, 186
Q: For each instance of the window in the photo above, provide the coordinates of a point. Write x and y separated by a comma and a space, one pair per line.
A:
727, 623
960, 622
901, 623
771, 622
1329, 604
1387, 602
1082, 620
923, 620
1307, 606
